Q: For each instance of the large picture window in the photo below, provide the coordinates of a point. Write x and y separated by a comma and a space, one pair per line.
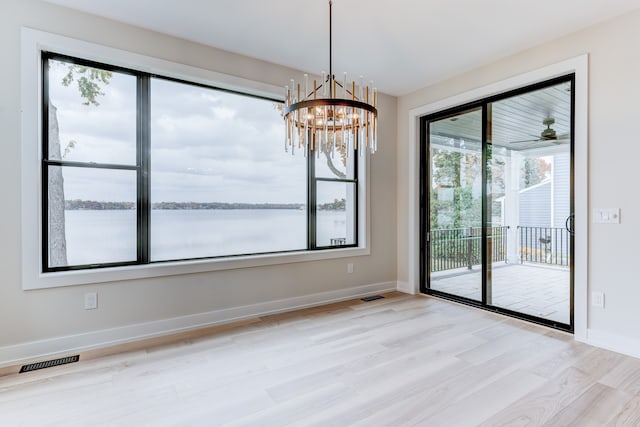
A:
139, 168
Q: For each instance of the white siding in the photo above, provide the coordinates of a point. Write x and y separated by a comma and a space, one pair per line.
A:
535, 206
561, 189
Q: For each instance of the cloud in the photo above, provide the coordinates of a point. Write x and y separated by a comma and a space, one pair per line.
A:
206, 145
99, 184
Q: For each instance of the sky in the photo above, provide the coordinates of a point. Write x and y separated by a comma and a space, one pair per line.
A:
206, 145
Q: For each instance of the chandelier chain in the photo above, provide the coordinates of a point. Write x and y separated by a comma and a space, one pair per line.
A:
319, 119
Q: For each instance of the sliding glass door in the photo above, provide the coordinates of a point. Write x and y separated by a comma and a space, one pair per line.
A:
497, 203
455, 215
529, 186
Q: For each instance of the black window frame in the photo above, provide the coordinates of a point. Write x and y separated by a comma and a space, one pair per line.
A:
143, 170
313, 201
424, 203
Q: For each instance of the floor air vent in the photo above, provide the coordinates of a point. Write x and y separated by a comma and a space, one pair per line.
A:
49, 363
372, 298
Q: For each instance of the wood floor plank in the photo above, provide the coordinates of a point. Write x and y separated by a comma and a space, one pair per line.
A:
624, 376
628, 416
557, 362
367, 370
301, 407
539, 406
447, 387
398, 361
594, 408
382, 392
484, 402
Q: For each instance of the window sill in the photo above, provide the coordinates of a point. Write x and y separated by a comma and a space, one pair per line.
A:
114, 274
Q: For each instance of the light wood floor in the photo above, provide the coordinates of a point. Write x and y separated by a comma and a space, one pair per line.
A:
398, 361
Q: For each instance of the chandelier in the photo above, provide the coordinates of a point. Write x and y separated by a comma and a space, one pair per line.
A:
330, 115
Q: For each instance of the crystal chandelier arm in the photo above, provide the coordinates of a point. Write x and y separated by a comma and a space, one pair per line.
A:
346, 90
337, 102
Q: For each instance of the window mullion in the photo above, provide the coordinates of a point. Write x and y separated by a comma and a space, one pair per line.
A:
311, 200
356, 219
142, 156
44, 174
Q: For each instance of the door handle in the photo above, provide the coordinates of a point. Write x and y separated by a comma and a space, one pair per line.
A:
568, 224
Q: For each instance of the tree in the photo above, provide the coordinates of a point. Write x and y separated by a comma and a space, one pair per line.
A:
534, 171
88, 81
446, 168
496, 165
343, 157
454, 175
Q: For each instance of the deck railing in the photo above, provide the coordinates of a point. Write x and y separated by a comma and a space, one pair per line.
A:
544, 245
462, 247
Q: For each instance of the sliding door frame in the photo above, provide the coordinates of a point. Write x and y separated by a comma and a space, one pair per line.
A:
424, 200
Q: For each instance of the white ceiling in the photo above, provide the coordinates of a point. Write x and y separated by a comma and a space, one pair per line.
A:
402, 45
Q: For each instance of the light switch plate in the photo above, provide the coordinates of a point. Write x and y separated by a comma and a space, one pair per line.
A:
597, 299
606, 215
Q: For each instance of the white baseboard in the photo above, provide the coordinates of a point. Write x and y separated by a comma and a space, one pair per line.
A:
54, 347
618, 343
406, 287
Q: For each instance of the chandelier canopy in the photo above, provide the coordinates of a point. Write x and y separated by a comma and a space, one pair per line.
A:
330, 115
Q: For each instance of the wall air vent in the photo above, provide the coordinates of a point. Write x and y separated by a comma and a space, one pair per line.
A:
49, 363
372, 298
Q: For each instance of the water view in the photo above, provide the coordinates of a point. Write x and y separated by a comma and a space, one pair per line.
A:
101, 236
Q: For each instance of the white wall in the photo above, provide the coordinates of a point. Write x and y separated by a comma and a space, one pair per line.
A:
42, 321
614, 149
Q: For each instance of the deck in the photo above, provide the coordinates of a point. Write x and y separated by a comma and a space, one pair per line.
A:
537, 290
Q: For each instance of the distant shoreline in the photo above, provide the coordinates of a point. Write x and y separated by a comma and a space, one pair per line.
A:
91, 205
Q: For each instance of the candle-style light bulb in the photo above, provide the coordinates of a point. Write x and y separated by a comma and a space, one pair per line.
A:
333, 136
293, 135
286, 120
306, 129
326, 128
374, 144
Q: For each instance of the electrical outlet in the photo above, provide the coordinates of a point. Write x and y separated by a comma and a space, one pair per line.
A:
350, 268
90, 300
597, 299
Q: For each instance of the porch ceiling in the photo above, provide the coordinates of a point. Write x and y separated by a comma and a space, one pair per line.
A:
516, 122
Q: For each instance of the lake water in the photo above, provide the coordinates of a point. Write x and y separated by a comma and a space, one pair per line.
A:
110, 235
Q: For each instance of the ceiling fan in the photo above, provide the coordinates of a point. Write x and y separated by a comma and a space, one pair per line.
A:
548, 134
